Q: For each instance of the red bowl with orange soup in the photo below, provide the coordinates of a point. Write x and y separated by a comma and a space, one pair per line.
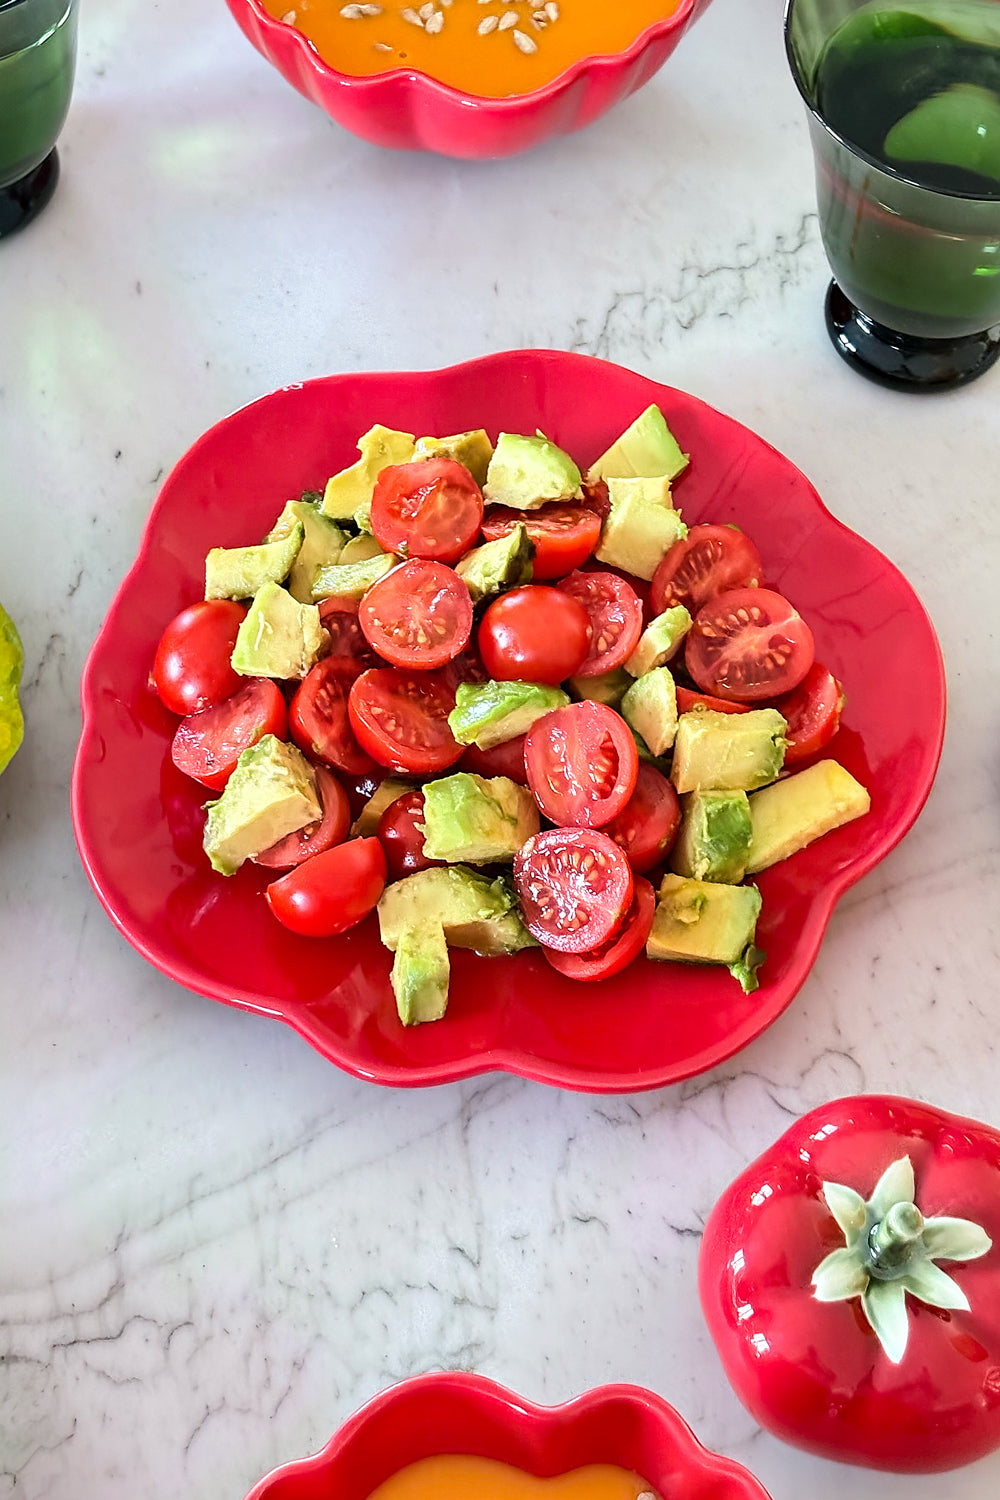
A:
448, 1436
465, 78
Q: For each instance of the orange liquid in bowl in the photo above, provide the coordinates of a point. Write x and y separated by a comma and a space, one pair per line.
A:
456, 1476
496, 48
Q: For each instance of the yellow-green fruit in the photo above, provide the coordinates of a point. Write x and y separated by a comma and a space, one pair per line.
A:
11, 667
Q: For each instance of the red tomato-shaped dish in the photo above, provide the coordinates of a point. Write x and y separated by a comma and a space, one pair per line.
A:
870, 1212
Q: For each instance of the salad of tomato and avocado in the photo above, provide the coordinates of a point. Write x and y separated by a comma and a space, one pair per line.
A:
506, 704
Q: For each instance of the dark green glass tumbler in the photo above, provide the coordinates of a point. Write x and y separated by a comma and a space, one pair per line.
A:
904, 115
37, 61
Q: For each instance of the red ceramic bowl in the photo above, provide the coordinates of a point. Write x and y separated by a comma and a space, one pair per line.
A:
453, 1413
409, 110
139, 822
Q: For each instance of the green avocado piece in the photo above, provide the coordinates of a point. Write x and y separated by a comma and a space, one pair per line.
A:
713, 840
472, 449
960, 127
722, 752
279, 637
352, 580
361, 549
660, 641
477, 820
420, 973
650, 709
385, 794
787, 816
526, 472
271, 793
11, 669
475, 912
606, 687
646, 449
379, 447
322, 544
640, 527
697, 921
490, 713
499, 565
238, 572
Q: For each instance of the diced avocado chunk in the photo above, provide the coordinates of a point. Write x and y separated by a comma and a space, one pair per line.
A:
322, 544
271, 793
722, 752
477, 820
606, 687
697, 921
352, 580
238, 572
640, 526
787, 816
361, 549
279, 637
498, 565
385, 794
475, 912
379, 447
526, 472
650, 708
714, 837
420, 973
473, 449
660, 641
11, 668
645, 450
490, 713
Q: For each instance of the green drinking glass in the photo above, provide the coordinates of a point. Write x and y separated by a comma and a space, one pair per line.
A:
37, 60
904, 115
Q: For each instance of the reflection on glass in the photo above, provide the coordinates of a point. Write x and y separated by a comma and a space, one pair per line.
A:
37, 59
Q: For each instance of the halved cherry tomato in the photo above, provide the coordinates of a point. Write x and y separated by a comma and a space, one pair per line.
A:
620, 949
401, 719
331, 892
534, 634
431, 507
467, 666
575, 888
505, 759
582, 764
346, 644
418, 616
596, 497
208, 745
328, 830
748, 644
402, 838
192, 668
614, 610
812, 711
319, 723
686, 700
709, 560
647, 825
564, 534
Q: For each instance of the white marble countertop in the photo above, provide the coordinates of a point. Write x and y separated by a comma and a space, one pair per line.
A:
215, 1246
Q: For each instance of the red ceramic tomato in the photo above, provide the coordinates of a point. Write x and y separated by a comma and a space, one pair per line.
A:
647, 825
207, 746
319, 723
708, 561
328, 830
620, 949
748, 644
331, 892
401, 719
564, 534
401, 836
575, 888
418, 616
851, 1281
430, 508
614, 610
812, 712
192, 669
582, 764
346, 644
534, 634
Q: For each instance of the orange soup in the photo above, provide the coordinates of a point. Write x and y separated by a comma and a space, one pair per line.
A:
456, 1476
492, 47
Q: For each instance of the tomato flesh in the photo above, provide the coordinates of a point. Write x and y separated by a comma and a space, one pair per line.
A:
748, 645
192, 668
647, 825
346, 645
207, 745
418, 616
431, 507
401, 719
812, 713
332, 891
582, 764
708, 561
564, 534
575, 888
534, 634
402, 838
319, 722
620, 949
614, 610
329, 829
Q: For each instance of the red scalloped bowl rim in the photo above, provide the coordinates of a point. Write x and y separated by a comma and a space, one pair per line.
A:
433, 1414
138, 821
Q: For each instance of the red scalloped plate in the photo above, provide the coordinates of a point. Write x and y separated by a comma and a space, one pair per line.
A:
428, 1415
138, 821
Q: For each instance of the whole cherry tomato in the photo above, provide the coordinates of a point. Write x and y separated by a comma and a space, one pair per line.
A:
331, 892
851, 1281
191, 669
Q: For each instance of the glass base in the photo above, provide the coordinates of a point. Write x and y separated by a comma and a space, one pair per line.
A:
23, 200
901, 360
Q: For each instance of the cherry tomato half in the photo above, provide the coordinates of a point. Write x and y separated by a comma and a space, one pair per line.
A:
647, 825
401, 719
709, 560
401, 837
686, 700
534, 634
575, 888
192, 668
812, 712
582, 764
564, 534
208, 745
346, 644
318, 721
505, 759
328, 830
418, 616
620, 949
431, 507
331, 892
748, 644
614, 610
